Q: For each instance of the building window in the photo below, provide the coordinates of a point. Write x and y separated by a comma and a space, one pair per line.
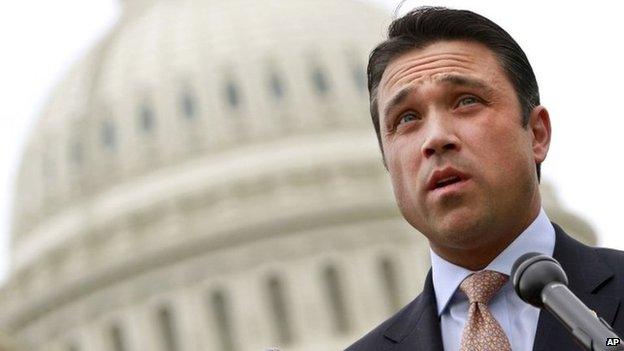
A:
222, 319
279, 308
232, 94
188, 105
359, 77
76, 153
108, 135
335, 295
319, 80
390, 280
167, 329
117, 339
146, 118
276, 85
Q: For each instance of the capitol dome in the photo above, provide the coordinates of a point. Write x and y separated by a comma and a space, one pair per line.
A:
207, 178
178, 81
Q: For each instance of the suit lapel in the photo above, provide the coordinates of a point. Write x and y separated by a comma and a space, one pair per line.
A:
417, 327
588, 276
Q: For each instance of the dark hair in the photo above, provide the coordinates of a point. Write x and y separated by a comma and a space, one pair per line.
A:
426, 25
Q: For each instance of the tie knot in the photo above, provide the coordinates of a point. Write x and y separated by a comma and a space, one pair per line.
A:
481, 286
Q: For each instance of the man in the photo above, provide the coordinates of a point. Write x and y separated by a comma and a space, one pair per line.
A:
456, 108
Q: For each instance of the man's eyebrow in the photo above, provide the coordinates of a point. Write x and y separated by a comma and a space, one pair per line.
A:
460, 80
398, 99
453, 79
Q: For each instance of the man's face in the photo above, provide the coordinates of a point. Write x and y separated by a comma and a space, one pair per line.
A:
462, 165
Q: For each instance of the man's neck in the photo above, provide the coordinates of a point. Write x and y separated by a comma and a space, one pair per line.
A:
477, 258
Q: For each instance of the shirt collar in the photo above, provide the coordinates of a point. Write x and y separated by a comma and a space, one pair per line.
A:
539, 237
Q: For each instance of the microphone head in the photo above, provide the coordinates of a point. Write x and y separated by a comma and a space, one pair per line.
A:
532, 272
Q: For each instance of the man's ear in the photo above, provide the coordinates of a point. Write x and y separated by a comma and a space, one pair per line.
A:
539, 126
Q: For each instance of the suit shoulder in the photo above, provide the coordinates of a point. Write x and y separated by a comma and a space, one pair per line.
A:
610, 253
612, 257
375, 339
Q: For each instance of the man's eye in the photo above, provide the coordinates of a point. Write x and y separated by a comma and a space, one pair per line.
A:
468, 100
408, 117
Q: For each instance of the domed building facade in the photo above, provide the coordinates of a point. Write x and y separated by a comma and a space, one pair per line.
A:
207, 178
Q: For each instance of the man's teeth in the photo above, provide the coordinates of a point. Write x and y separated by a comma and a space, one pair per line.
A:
447, 179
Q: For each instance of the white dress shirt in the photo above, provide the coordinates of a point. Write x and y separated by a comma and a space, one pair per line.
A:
517, 318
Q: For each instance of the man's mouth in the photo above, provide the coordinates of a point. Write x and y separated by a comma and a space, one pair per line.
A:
447, 181
444, 177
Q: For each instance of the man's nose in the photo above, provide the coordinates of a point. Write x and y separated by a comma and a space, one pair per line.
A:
440, 137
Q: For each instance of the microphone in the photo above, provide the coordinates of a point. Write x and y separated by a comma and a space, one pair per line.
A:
540, 281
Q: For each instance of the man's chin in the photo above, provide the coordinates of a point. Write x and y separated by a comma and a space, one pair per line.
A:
460, 226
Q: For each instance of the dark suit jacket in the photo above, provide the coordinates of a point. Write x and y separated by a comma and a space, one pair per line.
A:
596, 276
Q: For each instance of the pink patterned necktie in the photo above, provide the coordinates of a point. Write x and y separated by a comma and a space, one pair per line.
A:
482, 332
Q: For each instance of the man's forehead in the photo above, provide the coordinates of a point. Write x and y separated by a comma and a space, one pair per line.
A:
437, 57
449, 78
453, 61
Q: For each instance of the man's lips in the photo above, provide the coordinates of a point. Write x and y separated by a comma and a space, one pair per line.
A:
444, 177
